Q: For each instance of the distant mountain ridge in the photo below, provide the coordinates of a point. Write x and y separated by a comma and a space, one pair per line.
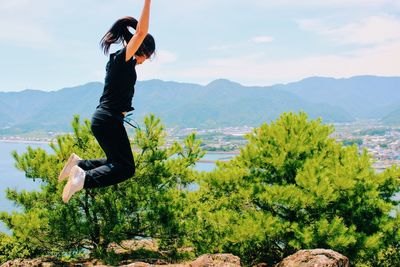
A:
364, 97
220, 103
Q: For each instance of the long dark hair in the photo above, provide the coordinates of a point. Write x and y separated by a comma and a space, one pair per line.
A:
119, 32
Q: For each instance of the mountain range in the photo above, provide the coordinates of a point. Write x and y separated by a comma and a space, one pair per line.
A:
218, 104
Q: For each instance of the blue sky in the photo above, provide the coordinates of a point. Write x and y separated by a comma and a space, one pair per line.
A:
52, 44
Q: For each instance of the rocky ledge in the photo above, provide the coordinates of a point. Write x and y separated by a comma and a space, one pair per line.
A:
315, 258
303, 258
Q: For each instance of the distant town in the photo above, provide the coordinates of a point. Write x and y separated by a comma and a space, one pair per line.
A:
381, 141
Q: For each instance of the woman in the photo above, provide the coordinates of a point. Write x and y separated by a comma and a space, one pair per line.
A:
107, 121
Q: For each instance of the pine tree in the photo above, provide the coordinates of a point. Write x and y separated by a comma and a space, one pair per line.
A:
142, 206
294, 187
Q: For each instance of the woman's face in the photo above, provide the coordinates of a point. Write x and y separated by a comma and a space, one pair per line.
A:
140, 59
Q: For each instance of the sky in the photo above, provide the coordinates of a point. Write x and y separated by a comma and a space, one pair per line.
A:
53, 44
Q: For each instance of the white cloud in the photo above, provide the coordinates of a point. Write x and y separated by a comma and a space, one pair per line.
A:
22, 22
164, 57
370, 30
256, 70
194, 6
24, 34
328, 3
240, 45
159, 66
9, 5
262, 39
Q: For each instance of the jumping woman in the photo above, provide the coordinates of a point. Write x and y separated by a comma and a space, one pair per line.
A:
107, 122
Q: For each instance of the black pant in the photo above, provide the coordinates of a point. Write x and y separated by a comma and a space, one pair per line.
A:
108, 128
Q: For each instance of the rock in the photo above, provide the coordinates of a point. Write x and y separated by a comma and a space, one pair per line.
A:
315, 258
206, 260
139, 264
37, 262
216, 260
130, 245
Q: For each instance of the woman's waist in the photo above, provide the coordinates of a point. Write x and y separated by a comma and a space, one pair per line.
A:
111, 111
114, 111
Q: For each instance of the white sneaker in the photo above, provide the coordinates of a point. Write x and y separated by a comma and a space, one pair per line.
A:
75, 183
72, 161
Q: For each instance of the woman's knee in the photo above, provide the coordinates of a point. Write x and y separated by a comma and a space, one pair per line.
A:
131, 170
128, 170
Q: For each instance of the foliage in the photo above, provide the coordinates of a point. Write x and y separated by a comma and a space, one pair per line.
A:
374, 132
352, 142
141, 207
293, 187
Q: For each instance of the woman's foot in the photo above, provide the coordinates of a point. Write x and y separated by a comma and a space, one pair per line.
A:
75, 183
72, 161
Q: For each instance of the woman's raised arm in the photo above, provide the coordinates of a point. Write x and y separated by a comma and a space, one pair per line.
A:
140, 33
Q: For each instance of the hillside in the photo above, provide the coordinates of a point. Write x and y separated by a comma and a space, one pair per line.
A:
220, 103
392, 118
364, 97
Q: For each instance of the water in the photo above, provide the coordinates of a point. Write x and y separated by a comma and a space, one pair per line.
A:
11, 177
